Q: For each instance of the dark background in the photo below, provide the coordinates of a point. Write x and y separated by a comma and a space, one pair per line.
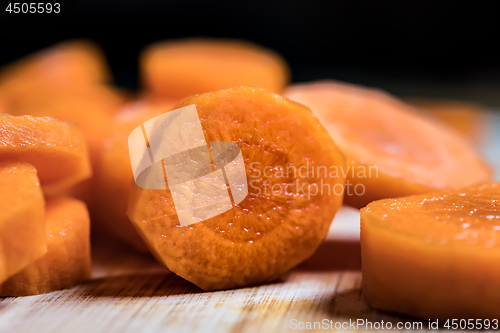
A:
427, 48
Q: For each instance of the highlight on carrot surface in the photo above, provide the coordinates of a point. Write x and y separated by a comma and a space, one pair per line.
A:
22, 226
391, 150
180, 68
434, 255
67, 261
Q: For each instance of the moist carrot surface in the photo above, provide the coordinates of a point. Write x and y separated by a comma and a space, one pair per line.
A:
391, 150
58, 150
177, 69
281, 221
434, 255
22, 226
67, 260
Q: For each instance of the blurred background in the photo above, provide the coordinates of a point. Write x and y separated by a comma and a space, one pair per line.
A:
420, 48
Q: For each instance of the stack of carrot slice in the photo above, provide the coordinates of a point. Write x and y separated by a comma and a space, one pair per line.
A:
41, 155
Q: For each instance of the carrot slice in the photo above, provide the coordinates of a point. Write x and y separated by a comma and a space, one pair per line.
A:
391, 150
92, 109
67, 261
256, 215
67, 65
467, 118
181, 68
22, 234
114, 174
434, 255
57, 149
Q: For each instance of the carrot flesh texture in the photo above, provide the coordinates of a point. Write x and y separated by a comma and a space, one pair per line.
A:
67, 261
58, 150
269, 232
391, 150
22, 226
434, 255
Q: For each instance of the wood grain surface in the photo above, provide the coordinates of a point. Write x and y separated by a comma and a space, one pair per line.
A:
130, 292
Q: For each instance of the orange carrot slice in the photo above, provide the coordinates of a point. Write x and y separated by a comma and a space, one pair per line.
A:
392, 151
434, 255
114, 174
58, 150
178, 69
67, 261
68, 65
250, 237
22, 234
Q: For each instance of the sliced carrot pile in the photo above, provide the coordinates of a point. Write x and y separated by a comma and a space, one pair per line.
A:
466, 118
22, 227
434, 255
391, 150
114, 174
177, 69
65, 82
67, 261
286, 213
56, 149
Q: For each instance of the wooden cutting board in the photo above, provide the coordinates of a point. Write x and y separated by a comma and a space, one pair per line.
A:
132, 293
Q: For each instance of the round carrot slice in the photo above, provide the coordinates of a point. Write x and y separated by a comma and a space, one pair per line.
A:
67, 261
56, 149
22, 236
391, 150
286, 213
434, 255
182, 68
